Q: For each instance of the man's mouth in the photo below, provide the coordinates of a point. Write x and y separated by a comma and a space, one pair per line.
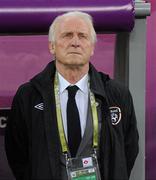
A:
74, 53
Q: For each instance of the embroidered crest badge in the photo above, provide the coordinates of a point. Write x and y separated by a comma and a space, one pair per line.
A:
115, 113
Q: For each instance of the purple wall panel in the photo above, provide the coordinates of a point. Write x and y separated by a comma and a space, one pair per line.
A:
21, 57
150, 96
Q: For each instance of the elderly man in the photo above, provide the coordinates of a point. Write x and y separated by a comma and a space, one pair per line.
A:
70, 121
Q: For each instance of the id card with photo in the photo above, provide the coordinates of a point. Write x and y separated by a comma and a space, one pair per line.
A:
85, 168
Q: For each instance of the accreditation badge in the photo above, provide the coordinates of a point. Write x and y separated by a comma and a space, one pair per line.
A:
83, 168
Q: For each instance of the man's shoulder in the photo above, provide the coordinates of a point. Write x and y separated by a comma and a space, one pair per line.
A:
25, 89
26, 96
117, 85
113, 85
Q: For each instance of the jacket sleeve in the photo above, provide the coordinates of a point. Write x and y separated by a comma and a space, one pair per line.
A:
131, 134
16, 139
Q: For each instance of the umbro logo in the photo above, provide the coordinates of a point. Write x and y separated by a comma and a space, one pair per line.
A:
39, 106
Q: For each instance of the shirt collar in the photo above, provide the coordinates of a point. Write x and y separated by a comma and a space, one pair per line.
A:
82, 84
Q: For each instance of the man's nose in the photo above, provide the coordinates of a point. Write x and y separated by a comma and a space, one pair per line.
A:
75, 41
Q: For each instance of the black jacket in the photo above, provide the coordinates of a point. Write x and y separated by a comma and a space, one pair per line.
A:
32, 140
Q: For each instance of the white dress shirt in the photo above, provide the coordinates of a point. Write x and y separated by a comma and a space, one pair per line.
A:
81, 98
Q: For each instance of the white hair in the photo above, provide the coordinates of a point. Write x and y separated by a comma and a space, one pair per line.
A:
86, 17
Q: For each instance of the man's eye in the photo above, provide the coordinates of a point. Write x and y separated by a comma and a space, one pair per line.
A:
69, 35
81, 35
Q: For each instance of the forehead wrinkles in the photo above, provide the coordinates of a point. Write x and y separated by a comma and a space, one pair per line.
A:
73, 24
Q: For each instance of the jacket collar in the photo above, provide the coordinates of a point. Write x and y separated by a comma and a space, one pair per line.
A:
44, 80
97, 80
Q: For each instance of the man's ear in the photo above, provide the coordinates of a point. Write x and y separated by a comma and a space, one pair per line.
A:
51, 48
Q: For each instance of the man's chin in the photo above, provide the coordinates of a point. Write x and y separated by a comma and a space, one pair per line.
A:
75, 62
74, 65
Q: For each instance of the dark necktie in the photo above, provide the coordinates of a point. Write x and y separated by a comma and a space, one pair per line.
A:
73, 121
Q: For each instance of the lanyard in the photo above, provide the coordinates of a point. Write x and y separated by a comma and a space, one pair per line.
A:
60, 122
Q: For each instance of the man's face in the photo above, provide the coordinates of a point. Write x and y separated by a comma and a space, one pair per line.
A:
73, 45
